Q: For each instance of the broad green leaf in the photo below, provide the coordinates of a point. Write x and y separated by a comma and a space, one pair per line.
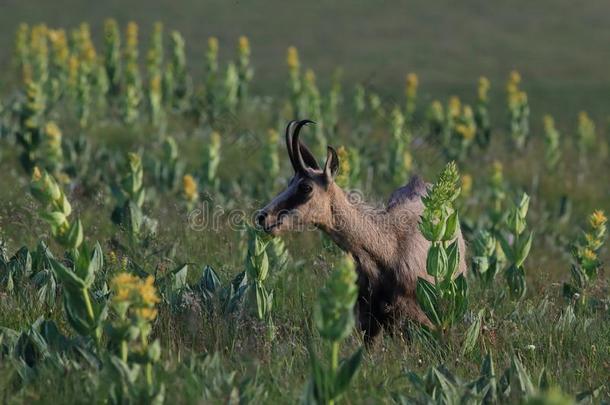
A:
70, 280
522, 248
453, 259
472, 334
346, 372
425, 293
436, 261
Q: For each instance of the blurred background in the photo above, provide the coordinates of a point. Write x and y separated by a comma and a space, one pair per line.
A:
561, 48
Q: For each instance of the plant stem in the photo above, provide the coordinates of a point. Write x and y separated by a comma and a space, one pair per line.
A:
334, 363
124, 350
88, 304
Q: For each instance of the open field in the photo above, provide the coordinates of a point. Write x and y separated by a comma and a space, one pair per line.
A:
162, 150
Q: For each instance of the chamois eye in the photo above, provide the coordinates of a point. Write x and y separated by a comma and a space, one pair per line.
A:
305, 187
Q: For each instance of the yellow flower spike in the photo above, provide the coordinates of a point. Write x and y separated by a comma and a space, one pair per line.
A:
589, 255
412, 82
213, 44
597, 219
147, 291
148, 314
52, 130
292, 58
549, 122
244, 45
189, 186
466, 184
310, 77
483, 88
454, 106
514, 77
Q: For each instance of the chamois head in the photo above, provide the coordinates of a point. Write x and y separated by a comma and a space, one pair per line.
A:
306, 200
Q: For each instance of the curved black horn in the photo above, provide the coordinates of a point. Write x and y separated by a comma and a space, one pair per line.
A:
300, 165
289, 143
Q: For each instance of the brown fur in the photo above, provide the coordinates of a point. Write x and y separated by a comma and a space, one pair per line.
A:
386, 244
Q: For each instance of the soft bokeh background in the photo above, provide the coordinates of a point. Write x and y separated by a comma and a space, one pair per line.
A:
560, 47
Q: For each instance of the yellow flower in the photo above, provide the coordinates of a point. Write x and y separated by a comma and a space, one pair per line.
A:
589, 255
52, 130
549, 122
310, 77
467, 132
124, 285
146, 313
147, 291
466, 184
292, 58
132, 35
411, 85
155, 84
483, 88
514, 77
133, 290
244, 45
189, 185
597, 219
213, 44
454, 106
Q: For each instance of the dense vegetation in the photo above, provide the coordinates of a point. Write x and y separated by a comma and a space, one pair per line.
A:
129, 272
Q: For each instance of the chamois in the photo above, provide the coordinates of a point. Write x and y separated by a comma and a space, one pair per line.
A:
388, 248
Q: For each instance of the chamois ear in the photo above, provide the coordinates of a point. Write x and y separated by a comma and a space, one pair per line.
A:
332, 163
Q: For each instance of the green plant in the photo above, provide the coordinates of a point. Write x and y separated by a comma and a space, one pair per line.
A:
586, 263
211, 160
481, 113
244, 70
399, 162
260, 299
84, 314
516, 246
518, 111
445, 300
133, 301
334, 320
130, 195
552, 153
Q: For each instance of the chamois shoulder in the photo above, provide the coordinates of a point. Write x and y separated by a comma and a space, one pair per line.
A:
415, 189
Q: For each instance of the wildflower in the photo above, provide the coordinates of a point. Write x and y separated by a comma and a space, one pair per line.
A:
454, 107
292, 58
530, 348
466, 183
411, 85
514, 77
483, 88
147, 291
589, 255
597, 219
52, 130
148, 314
213, 45
244, 45
132, 291
123, 285
189, 186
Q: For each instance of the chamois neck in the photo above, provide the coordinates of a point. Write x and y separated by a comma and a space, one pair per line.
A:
359, 229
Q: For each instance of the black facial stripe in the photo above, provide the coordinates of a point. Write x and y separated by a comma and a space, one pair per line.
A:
295, 200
